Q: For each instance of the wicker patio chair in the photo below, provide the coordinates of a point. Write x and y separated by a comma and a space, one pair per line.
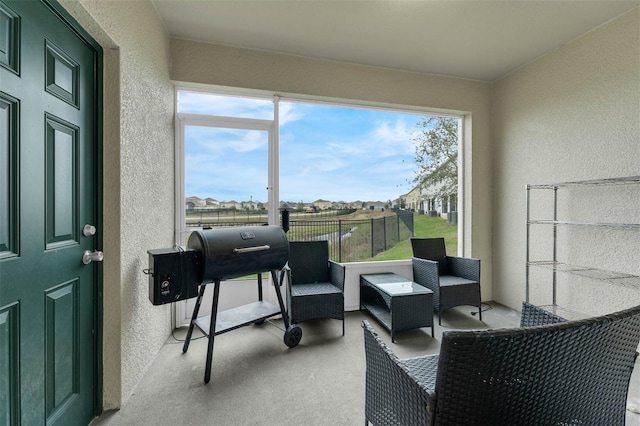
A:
563, 373
315, 284
455, 281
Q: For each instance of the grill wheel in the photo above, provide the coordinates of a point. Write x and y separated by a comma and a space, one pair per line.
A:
292, 336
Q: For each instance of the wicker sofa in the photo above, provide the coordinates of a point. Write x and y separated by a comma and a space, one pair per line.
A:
548, 371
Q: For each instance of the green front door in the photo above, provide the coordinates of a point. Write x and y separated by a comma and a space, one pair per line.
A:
49, 143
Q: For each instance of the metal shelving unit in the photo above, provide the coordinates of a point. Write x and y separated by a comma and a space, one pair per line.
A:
556, 266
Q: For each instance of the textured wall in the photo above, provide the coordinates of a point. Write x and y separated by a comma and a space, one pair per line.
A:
139, 185
211, 64
571, 115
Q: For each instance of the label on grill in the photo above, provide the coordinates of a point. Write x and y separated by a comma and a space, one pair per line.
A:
247, 235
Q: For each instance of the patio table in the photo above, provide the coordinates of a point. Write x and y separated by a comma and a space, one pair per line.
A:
396, 302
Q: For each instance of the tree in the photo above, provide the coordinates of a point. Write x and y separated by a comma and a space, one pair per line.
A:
436, 156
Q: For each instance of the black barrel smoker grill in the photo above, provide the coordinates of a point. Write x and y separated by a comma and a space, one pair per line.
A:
214, 255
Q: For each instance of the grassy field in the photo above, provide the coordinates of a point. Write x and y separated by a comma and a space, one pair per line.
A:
424, 226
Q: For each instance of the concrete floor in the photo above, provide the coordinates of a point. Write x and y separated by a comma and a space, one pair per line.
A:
257, 380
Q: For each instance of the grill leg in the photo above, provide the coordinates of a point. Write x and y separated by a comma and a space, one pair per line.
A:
196, 308
212, 331
285, 315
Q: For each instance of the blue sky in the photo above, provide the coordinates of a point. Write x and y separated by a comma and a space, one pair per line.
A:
327, 152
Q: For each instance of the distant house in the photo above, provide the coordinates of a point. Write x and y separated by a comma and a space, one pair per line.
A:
212, 203
195, 202
375, 205
231, 205
414, 199
322, 204
339, 205
250, 205
437, 205
400, 202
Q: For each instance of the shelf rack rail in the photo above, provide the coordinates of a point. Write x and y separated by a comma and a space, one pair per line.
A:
553, 264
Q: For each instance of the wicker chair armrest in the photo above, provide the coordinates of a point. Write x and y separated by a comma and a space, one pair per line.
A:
425, 273
337, 274
282, 275
286, 276
464, 267
393, 394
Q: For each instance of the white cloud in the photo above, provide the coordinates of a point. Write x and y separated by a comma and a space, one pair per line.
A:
386, 139
394, 138
289, 113
218, 141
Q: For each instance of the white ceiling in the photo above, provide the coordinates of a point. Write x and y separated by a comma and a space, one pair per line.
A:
476, 39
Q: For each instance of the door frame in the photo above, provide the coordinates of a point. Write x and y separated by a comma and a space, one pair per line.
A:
98, 307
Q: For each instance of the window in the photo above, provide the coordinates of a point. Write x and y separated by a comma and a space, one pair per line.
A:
241, 160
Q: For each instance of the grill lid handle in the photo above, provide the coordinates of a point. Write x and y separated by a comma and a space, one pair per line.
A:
250, 249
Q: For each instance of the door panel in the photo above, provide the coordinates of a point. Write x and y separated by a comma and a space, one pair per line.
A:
61, 186
9, 373
61, 345
49, 140
9, 39
8, 181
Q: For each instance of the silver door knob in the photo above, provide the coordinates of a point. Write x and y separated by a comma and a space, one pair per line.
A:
92, 256
89, 230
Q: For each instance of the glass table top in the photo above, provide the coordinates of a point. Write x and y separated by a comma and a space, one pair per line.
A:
394, 284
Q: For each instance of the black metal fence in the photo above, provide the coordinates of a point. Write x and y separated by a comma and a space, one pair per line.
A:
355, 240
349, 240
222, 217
